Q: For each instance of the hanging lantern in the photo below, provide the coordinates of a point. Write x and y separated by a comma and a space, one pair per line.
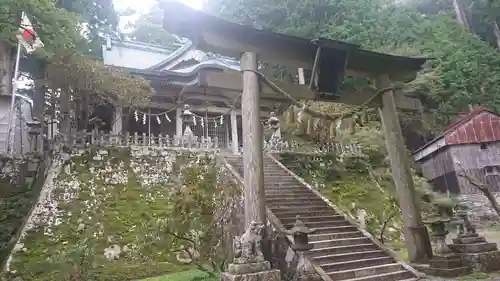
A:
168, 119
187, 116
158, 120
136, 116
201, 123
144, 119
222, 119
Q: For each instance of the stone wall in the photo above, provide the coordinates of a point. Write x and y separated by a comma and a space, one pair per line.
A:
107, 214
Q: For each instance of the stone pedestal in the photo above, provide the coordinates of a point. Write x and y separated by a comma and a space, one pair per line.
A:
257, 271
480, 254
448, 266
305, 270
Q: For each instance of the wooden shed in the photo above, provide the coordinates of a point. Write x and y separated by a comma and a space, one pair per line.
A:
471, 145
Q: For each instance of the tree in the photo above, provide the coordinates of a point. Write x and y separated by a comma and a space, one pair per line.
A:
201, 208
148, 28
464, 69
89, 83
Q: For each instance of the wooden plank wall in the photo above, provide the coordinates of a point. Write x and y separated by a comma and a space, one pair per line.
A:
474, 160
443, 171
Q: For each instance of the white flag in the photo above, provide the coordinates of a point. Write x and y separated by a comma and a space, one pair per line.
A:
28, 37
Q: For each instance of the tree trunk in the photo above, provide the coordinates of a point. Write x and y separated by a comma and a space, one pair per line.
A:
460, 14
496, 31
5, 68
39, 94
65, 121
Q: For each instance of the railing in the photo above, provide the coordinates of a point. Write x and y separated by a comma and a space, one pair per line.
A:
277, 145
83, 139
161, 141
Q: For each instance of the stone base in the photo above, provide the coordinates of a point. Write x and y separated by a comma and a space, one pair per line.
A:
245, 268
484, 262
446, 273
447, 266
473, 248
268, 275
469, 240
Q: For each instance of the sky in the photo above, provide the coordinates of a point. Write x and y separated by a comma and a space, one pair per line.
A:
142, 6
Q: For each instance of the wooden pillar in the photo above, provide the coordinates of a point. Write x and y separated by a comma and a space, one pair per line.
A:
228, 139
416, 236
234, 132
117, 121
178, 121
255, 209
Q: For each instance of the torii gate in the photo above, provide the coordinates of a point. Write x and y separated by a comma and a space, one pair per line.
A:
329, 61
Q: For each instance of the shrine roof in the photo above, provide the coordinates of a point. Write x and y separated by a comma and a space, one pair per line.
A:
212, 34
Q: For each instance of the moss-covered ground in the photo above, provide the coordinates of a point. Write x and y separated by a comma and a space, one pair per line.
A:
101, 201
15, 203
188, 275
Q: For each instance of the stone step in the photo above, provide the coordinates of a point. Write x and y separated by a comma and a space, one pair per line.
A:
335, 229
331, 255
346, 249
307, 219
360, 269
341, 242
283, 192
299, 209
301, 198
286, 189
401, 275
339, 247
288, 204
293, 212
331, 236
320, 224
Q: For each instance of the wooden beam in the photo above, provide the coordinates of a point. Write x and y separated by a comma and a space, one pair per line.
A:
254, 196
416, 236
231, 80
165, 102
264, 112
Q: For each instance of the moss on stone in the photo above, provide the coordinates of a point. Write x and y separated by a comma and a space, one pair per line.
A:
105, 198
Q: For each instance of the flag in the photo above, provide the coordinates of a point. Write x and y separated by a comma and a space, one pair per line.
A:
27, 36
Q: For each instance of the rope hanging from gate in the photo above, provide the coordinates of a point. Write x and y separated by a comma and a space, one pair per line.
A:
312, 112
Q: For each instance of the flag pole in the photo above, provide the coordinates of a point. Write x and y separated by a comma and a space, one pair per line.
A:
14, 90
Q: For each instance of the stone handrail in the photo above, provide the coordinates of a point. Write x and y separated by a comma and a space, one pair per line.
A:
274, 221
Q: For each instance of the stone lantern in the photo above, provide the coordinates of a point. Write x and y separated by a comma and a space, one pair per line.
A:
305, 270
274, 124
300, 234
187, 115
188, 119
34, 131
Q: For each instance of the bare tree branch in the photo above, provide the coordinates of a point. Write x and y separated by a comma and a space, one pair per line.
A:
482, 186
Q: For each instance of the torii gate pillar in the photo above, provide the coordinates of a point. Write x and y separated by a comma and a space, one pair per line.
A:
253, 175
416, 236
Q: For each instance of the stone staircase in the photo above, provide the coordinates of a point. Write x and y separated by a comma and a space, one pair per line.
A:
343, 251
